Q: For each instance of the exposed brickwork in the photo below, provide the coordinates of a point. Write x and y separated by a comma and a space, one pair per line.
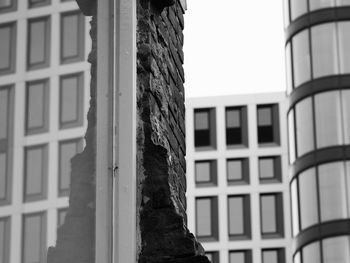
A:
161, 137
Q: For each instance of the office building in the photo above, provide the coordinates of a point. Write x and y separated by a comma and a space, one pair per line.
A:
43, 100
237, 184
318, 66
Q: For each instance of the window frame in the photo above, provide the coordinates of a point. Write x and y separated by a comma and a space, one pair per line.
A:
7, 237
247, 255
214, 219
281, 254
245, 179
243, 127
211, 112
12, 7
275, 123
246, 213
212, 173
279, 233
277, 170
13, 48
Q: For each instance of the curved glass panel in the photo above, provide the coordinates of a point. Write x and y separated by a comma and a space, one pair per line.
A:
297, 258
289, 68
343, 2
318, 4
295, 211
301, 58
298, 7
308, 198
324, 50
332, 191
328, 119
336, 250
344, 46
304, 127
291, 136
311, 253
345, 96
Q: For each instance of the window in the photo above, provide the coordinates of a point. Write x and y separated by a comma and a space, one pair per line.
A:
67, 150
311, 253
35, 172
294, 206
4, 239
34, 238
345, 96
72, 37
270, 169
318, 4
344, 46
332, 191
328, 119
37, 106
238, 171
288, 64
298, 8
7, 48
304, 127
204, 128
207, 218
301, 56
291, 136
7, 6
37, 3
271, 209
242, 256
273, 255
268, 124
71, 101
206, 173
239, 217
61, 215
324, 50
6, 123
213, 256
38, 46
336, 249
236, 126
308, 198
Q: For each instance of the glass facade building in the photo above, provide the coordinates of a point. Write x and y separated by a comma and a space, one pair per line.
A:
318, 80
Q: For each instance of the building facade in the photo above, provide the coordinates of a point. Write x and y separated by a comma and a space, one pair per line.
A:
44, 94
237, 184
318, 68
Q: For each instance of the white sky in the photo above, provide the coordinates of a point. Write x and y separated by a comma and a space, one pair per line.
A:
233, 47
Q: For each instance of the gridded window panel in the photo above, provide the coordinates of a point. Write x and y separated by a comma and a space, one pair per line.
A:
37, 106
308, 198
67, 150
35, 172
237, 171
304, 127
71, 101
61, 215
344, 46
7, 48
332, 190
312, 253
38, 46
271, 215
301, 56
204, 128
34, 238
6, 123
267, 119
72, 37
37, 3
336, 250
4, 239
294, 206
242, 256
270, 169
298, 8
206, 218
239, 217
206, 172
324, 50
274, 255
236, 126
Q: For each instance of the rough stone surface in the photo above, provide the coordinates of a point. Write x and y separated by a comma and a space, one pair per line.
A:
163, 234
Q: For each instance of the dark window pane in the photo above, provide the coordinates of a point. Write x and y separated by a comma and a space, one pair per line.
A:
202, 128
7, 48
72, 37
67, 150
34, 241
267, 125
71, 101
37, 107
35, 173
38, 43
235, 126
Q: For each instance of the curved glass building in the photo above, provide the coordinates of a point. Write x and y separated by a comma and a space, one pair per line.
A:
318, 76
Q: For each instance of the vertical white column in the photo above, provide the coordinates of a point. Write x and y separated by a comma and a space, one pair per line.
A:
124, 247
104, 132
